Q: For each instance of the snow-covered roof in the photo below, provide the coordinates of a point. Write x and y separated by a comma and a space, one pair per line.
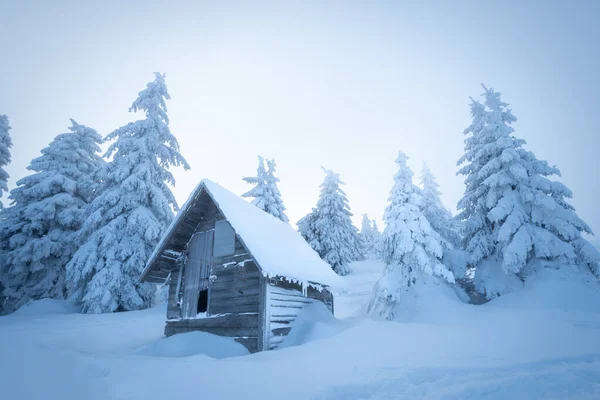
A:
275, 246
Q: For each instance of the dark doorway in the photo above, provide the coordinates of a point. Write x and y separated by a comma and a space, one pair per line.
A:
202, 301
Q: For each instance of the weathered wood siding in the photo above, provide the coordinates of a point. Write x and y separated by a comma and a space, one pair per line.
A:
286, 301
233, 293
242, 304
242, 327
173, 303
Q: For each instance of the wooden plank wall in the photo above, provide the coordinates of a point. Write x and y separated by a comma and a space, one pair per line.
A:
233, 298
242, 327
173, 304
235, 283
286, 301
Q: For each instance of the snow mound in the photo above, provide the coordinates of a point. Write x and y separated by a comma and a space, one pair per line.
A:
195, 343
45, 307
555, 289
570, 378
314, 322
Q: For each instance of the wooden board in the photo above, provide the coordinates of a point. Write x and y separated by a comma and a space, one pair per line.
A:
197, 271
224, 244
173, 306
244, 328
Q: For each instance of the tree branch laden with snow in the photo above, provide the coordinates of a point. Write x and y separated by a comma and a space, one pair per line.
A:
126, 221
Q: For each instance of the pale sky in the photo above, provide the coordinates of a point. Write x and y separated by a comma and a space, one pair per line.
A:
343, 85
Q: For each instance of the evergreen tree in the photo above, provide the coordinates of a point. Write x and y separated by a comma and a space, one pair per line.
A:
37, 233
307, 229
5, 145
367, 236
376, 240
410, 246
265, 191
126, 221
515, 216
438, 216
329, 230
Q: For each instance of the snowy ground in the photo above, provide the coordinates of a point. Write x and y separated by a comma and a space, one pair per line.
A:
541, 343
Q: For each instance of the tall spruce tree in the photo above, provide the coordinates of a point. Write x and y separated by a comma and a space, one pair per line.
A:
515, 216
265, 191
410, 246
37, 233
329, 230
5, 145
126, 221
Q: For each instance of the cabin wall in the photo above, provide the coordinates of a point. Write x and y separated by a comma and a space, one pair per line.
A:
233, 293
286, 301
243, 328
173, 301
235, 283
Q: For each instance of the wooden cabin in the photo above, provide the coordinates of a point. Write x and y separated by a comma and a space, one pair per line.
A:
234, 270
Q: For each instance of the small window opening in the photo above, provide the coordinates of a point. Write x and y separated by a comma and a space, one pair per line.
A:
202, 301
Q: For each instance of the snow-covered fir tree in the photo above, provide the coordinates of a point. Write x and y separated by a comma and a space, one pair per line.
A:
437, 214
307, 229
265, 191
516, 218
37, 233
410, 246
5, 145
125, 222
376, 240
368, 236
328, 228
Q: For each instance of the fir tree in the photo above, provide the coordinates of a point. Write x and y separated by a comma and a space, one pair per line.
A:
367, 236
438, 216
5, 145
307, 229
514, 214
376, 240
410, 246
37, 233
126, 221
329, 230
265, 191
